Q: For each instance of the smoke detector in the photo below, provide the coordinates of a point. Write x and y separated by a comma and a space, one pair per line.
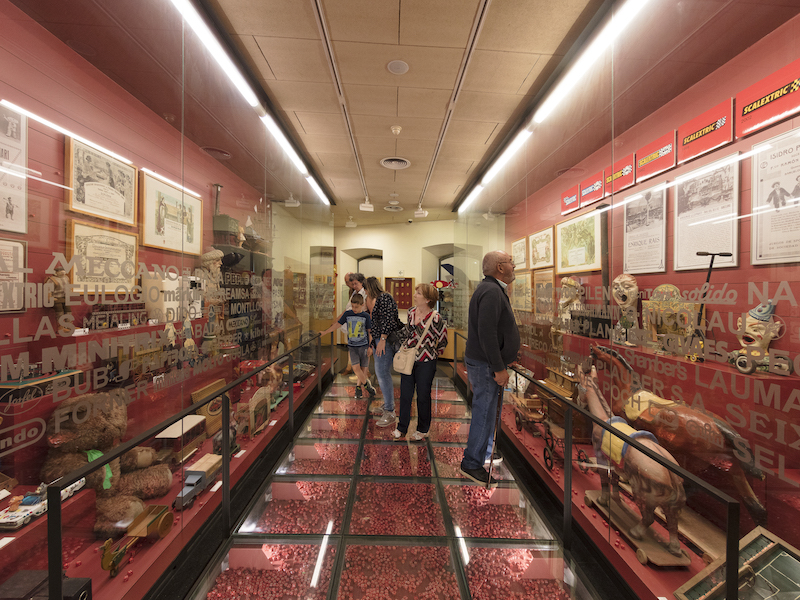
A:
351, 223
397, 67
366, 206
395, 163
396, 129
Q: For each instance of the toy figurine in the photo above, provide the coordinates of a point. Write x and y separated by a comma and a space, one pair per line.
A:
213, 304
58, 295
625, 292
760, 328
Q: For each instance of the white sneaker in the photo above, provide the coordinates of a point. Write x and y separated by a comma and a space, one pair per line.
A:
496, 460
418, 437
398, 436
387, 419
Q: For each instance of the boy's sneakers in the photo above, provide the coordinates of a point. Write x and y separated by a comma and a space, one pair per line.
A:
359, 393
387, 419
370, 390
478, 475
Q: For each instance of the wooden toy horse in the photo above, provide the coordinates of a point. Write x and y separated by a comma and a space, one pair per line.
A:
686, 432
652, 484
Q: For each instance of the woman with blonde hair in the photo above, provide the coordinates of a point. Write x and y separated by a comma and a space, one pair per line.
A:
426, 324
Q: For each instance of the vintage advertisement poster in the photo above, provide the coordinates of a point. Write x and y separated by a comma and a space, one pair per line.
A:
13, 261
521, 292
775, 218
13, 167
645, 232
519, 253
541, 247
578, 243
106, 258
171, 218
100, 185
706, 211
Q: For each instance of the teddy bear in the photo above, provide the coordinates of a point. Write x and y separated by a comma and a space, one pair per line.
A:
84, 428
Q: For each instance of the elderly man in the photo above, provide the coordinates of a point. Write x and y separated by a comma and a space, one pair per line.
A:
492, 343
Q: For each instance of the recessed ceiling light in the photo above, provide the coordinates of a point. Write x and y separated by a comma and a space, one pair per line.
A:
393, 208
397, 67
394, 202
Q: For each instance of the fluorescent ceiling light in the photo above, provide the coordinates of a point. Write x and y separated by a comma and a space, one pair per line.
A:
284, 143
169, 181
60, 129
211, 43
619, 21
506, 156
470, 199
315, 186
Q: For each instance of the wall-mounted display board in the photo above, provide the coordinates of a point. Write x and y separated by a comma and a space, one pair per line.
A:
13, 183
402, 290
706, 211
171, 218
645, 231
775, 208
578, 244
100, 185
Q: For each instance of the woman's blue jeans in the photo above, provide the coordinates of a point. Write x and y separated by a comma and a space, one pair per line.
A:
383, 372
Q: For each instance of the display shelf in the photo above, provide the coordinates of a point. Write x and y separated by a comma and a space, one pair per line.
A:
395, 460
320, 459
378, 505
497, 572
298, 507
388, 572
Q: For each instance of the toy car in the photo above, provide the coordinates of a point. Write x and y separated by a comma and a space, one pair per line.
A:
32, 504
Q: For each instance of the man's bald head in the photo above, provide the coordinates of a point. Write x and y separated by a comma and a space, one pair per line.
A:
492, 260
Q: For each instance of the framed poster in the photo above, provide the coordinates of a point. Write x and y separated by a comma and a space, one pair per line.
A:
171, 219
645, 232
101, 252
544, 292
14, 161
707, 204
521, 292
541, 248
13, 259
578, 246
774, 217
99, 185
519, 253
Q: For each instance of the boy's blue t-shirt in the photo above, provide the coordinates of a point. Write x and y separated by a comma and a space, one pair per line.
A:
357, 326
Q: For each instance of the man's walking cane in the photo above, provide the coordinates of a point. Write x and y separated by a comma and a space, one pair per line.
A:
501, 389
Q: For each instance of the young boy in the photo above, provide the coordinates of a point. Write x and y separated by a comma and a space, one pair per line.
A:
359, 337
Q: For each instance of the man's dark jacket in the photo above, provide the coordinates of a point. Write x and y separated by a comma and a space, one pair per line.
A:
492, 333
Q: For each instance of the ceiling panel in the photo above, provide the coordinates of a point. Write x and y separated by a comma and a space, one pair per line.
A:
280, 18
480, 106
295, 59
422, 102
421, 129
415, 150
371, 100
365, 64
436, 23
321, 124
326, 143
454, 165
379, 146
463, 151
305, 96
335, 160
363, 20
255, 59
469, 132
502, 72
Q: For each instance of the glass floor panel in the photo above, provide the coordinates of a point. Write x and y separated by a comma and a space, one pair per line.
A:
408, 509
448, 464
333, 428
320, 458
342, 406
395, 460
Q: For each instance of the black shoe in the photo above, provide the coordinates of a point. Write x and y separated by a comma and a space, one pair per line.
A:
370, 390
359, 393
480, 476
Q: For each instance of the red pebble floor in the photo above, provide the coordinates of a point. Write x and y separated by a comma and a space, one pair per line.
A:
397, 460
324, 501
334, 459
389, 572
289, 573
407, 507
342, 406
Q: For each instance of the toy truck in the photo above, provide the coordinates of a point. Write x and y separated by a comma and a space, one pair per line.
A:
197, 479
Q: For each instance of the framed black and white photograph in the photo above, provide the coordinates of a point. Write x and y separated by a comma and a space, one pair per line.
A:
172, 219
706, 211
99, 184
542, 251
519, 253
101, 253
775, 211
578, 244
13, 261
645, 231
13, 169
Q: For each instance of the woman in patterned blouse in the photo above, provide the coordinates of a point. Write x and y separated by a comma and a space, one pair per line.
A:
421, 378
385, 341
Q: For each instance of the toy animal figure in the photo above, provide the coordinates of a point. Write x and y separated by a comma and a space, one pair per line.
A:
684, 431
652, 484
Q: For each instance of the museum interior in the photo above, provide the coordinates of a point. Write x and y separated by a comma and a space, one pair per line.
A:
184, 186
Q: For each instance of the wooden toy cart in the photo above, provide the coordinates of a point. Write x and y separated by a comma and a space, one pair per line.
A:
156, 520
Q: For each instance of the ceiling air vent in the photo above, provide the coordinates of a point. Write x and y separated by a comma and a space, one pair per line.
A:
572, 172
393, 208
396, 163
217, 153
